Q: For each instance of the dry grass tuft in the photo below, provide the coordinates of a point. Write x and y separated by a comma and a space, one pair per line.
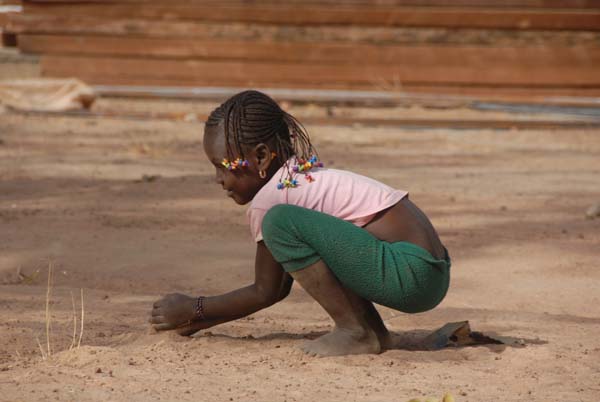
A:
74, 323
48, 351
82, 315
48, 317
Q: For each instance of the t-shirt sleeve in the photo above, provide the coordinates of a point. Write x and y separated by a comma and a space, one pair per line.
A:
255, 217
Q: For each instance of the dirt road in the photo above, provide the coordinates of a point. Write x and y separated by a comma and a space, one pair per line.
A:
509, 205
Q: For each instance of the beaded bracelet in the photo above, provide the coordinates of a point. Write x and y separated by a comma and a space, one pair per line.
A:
200, 308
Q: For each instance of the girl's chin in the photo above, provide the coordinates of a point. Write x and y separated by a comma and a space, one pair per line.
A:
231, 194
239, 201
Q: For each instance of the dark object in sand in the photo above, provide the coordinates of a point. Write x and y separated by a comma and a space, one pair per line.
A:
456, 334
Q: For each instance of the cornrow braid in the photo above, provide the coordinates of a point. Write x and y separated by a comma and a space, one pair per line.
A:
251, 118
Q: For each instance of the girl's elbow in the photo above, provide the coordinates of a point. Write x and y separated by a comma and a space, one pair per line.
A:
285, 290
267, 297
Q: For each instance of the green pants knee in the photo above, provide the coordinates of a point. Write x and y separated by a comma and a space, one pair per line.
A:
399, 275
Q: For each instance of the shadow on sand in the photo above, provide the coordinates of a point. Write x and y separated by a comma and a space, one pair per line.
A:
450, 336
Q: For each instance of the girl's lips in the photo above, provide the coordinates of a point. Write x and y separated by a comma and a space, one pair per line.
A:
229, 193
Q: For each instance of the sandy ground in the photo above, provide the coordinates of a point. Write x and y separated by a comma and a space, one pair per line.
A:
509, 206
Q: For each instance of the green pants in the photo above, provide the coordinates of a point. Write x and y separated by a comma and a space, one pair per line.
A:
399, 275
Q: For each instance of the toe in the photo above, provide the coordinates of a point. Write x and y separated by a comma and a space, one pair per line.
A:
186, 331
162, 327
157, 319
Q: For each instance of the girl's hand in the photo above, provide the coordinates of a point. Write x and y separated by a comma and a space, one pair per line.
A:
172, 311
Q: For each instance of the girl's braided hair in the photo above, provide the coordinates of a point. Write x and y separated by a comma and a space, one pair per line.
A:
251, 118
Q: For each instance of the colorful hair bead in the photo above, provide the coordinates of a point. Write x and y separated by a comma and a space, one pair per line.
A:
234, 164
287, 183
303, 166
306, 165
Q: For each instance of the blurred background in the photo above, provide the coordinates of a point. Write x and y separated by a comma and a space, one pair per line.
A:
524, 49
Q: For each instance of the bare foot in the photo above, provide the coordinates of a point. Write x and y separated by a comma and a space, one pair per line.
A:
343, 341
372, 317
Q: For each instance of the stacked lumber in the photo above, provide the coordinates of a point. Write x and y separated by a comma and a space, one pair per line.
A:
8, 9
460, 46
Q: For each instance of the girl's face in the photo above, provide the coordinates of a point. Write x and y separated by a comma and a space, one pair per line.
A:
243, 183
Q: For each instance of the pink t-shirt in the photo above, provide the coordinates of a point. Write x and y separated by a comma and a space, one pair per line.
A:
345, 195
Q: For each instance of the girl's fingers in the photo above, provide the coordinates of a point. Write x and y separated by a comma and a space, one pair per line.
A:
157, 319
163, 327
188, 329
159, 324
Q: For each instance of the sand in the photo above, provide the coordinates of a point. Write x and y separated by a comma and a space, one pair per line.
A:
509, 205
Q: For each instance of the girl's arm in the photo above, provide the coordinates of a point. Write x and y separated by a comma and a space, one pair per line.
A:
271, 284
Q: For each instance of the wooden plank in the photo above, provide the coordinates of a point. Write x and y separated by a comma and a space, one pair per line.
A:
491, 92
418, 3
478, 57
465, 17
344, 121
453, 123
5, 19
235, 73
87, 26
364, 98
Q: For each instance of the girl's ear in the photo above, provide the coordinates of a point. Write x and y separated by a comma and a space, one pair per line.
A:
262, 153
